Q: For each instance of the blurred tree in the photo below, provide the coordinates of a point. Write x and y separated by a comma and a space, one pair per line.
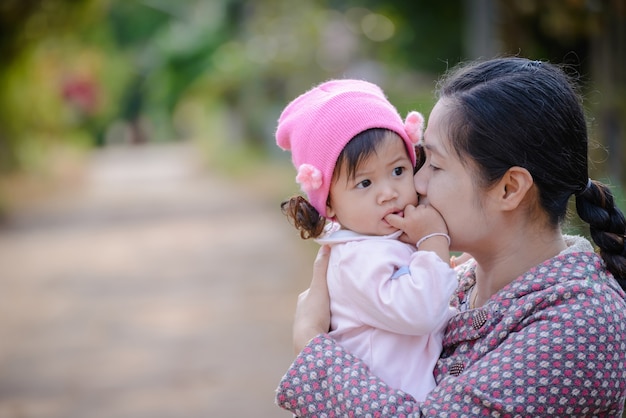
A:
169, 45
590, 37
607, 60
428, 33
23, 25
133, 24
281, 50
181, 64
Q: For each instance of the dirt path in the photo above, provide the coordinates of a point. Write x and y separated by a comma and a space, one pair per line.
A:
152, 291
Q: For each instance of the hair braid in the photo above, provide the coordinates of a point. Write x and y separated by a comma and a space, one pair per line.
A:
607, 226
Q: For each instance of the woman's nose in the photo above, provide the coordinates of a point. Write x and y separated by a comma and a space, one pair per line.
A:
420, 180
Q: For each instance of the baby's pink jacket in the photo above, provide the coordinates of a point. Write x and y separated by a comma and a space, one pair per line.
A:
390, 306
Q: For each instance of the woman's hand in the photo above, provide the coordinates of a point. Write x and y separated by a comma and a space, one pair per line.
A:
313, 309
456, 261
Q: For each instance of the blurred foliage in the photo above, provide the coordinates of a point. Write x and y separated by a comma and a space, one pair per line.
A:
589, 37
427, 34
86, 73
34, 34
92, 72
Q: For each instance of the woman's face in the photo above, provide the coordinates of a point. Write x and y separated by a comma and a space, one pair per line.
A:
446, 184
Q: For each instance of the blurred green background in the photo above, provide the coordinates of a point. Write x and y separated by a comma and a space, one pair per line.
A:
82, 74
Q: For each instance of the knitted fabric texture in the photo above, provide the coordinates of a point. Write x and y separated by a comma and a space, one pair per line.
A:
318, 124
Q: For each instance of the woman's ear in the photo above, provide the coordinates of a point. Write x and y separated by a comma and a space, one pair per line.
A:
514, 187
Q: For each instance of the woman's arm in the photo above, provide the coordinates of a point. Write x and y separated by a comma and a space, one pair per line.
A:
325, 380
312, 315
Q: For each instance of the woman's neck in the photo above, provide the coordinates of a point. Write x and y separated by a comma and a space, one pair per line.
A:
513, 257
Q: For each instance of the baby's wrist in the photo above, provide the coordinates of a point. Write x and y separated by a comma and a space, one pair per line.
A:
433, 235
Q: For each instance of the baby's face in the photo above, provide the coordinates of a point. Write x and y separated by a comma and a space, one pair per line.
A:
382, 184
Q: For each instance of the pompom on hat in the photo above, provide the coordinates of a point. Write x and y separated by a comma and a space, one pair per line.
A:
318, 124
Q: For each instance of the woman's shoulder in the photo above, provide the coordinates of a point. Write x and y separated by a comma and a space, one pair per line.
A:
570, 285
576, 279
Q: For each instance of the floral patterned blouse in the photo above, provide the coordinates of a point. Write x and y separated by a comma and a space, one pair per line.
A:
551, 343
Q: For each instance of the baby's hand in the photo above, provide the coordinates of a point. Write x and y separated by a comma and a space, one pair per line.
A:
418, 221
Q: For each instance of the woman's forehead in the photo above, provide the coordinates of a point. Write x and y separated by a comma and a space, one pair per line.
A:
435, 135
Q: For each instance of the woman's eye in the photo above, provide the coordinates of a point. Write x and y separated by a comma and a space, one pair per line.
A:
363, 184
433, 167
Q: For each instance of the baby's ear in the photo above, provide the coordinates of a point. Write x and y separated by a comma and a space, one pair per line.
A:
330, 213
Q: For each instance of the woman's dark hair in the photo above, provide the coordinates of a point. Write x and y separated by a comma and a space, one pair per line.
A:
303, 215
516, 112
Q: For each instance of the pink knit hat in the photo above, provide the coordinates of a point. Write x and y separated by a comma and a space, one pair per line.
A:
318, 124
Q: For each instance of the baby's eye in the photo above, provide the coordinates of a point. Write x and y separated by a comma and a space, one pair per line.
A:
398, 171
364, 184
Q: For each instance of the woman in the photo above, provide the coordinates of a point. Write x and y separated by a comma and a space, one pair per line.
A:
542, 323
